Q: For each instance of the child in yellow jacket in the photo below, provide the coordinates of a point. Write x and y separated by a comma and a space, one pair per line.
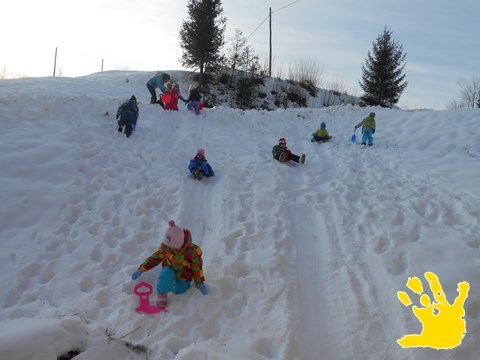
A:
321, 134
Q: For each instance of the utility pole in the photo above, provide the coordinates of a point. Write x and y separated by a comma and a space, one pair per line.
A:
270, 59
55, 61
102, 66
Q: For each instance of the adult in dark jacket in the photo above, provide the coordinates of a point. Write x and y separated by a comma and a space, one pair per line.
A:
127, 116
158, 81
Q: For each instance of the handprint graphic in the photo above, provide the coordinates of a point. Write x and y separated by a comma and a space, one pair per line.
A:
443, 324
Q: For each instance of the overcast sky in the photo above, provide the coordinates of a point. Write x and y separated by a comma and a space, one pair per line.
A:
441, 38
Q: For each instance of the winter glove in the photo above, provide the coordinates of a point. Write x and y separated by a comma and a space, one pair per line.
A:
373, 131
202, 288
136, 274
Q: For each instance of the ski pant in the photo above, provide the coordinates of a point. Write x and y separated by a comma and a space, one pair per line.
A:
367, 136
195, 105
126, 119
153, 93
168, 282
287, 156
320, 138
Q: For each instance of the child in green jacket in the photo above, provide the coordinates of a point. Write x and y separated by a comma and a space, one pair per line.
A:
368, 129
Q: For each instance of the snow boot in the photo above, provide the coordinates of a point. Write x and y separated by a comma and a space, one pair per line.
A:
196, 173
302, 159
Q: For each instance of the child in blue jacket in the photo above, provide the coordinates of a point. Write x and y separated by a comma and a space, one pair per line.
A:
199, 167
127, 116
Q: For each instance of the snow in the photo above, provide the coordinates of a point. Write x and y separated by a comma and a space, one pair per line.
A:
301, 261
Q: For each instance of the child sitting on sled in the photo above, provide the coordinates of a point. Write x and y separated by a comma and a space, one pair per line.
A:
181, 262
321, 134
199, 166
283, 154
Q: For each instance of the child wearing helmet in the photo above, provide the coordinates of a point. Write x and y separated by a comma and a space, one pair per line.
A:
368, 129
281, 153
181, 262
321, 134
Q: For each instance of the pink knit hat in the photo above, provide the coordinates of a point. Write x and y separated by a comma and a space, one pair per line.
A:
173, 236
201, 152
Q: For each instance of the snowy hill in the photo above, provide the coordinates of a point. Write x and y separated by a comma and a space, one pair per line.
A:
301, 261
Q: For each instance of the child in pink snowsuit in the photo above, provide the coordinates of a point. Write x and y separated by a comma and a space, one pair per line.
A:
175, 94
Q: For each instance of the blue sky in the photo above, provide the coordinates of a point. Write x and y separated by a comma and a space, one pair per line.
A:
441, 38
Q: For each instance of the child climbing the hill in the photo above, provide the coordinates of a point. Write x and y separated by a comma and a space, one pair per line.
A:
181, 262
368, 129
174, 96
194, 100
199, 167
321, 134
283, 154
166, 97
157, 81
128, 114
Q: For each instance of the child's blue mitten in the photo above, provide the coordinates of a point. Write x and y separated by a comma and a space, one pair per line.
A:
136, 274
202, 288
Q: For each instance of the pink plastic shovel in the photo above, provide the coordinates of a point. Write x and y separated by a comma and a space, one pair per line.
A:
143, 291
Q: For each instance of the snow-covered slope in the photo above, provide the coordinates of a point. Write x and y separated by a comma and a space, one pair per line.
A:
301, 261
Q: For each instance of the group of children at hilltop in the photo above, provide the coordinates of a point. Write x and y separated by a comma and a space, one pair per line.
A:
180, 258
171, 94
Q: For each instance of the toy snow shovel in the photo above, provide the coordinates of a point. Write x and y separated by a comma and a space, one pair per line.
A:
143, 291
354, 137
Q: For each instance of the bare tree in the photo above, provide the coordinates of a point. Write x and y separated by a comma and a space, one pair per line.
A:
338, 86
306, 70
6, 74
455, 104
470, 93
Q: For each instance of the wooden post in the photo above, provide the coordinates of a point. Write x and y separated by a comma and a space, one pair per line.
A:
270, 59
55, 61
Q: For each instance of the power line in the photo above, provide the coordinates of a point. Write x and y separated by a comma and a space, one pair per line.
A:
253, 32
263, 21
286, 6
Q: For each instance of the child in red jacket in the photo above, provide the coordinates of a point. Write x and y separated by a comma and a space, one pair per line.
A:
181, 262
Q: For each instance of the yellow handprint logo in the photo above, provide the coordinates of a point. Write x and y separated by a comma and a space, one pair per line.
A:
443, 324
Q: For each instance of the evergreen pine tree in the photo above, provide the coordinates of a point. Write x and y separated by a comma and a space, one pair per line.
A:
201, 37
382, 74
